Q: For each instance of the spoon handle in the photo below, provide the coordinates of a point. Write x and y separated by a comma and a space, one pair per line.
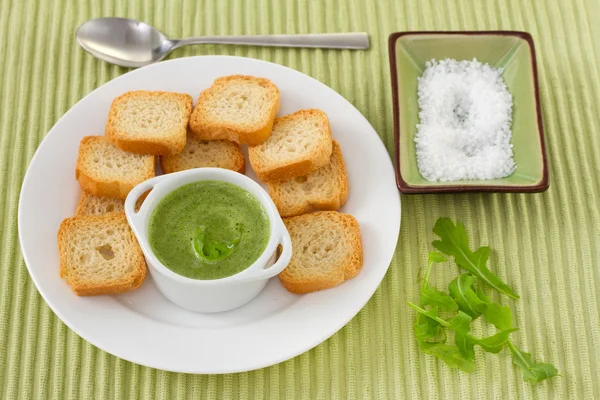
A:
356, 41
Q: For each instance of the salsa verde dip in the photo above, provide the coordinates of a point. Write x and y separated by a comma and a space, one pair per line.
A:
208, 230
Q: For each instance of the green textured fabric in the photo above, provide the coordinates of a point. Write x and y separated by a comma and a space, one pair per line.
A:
547, 246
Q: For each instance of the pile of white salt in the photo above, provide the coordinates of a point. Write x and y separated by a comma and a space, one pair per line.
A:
465, 118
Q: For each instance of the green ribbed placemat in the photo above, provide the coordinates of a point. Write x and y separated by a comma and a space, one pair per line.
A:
547, 246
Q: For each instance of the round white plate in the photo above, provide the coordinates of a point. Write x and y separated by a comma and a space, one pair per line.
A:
145, 328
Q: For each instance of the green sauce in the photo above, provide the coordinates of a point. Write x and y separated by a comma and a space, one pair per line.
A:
208, 230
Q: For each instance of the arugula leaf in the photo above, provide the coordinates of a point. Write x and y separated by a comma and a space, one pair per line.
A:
434, 256
492, 344
498, 315
430, 314
449, 354
533, 372
427, 328
432, 296
481, 294
461, 325
454, 242
495, 343
461, 289
470, 302
210, 248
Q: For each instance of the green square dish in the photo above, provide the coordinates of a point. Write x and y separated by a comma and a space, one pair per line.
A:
510, 50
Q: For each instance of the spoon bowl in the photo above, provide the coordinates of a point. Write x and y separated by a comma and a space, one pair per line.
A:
130, 43
123, 41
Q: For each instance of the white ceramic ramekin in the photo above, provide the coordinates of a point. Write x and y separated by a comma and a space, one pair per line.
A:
208, 295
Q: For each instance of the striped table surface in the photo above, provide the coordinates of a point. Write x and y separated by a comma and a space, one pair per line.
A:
547, 246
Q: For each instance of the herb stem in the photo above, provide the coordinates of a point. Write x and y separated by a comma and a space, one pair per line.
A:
424, 312
446, 324
426, 281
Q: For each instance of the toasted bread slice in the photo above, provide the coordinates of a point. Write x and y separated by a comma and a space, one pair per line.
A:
299, 144
323, 189
327, 251
146, 122
237, 108
201, 153
105, 170
95, 205
100, 255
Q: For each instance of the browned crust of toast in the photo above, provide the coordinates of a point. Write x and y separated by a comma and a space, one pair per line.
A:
294, 169
242, 134
112, 287
84, 201
153, 146
289, 171
170, 164
333, 203
350, 270
146, 147
114, 189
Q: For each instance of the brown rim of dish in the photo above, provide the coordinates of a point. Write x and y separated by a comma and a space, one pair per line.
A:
414, 189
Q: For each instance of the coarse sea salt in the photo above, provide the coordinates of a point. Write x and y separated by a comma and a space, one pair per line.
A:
465, 118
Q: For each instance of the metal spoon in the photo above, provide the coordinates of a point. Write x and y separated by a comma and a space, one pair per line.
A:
132, 43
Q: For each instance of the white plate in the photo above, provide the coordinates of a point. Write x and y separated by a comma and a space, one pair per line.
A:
145, 328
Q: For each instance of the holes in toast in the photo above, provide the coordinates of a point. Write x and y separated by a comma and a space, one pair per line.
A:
191, 151
109, 164
84, 258
106, 251
301, 179
96, 160
110, 208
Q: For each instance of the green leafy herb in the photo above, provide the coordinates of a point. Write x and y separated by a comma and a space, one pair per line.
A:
533, 372
468, 298
449, 354
461, 289
215, 248
461, 325
495, 343
430, 295
454, 242
481, 294
492, 344
426, 328
498, 315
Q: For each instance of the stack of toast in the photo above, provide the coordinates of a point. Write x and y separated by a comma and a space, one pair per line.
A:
304, 170
295, 155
